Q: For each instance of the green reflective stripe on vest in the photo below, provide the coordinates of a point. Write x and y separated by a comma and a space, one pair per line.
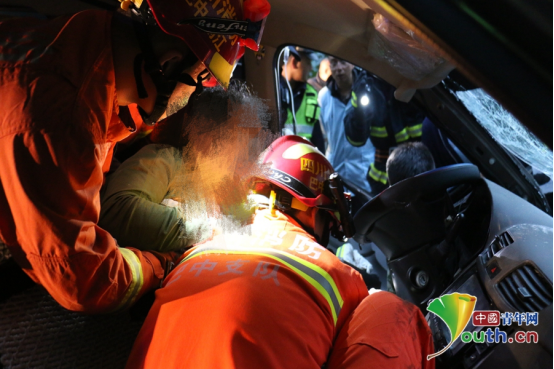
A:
377, 175
354, 100
306, 115
313, 274
415, 131
401, 136
137, 279
380, 132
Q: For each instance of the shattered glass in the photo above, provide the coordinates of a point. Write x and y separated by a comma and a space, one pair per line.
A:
507, 130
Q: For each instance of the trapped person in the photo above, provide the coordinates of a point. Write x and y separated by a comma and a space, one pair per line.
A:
163, 198
62, 84
408, 160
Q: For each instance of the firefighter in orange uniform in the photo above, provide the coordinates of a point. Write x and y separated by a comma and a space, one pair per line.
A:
272, 296
62, 83
275, 298
383, 332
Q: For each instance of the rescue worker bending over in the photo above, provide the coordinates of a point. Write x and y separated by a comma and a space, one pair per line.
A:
270, 296
62, 85
164, 196
304, 97
387, 122
272, 299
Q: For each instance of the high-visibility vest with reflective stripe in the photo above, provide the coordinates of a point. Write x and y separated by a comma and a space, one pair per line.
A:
380, 132
306, 115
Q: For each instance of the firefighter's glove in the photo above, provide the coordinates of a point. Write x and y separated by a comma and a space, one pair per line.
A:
168, 260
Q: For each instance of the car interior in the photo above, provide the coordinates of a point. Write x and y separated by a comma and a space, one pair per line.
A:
482, 224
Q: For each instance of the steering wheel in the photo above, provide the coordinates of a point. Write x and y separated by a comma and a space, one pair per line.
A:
412, 212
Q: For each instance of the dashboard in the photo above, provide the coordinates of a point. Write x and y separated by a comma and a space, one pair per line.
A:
512, 273
468, 236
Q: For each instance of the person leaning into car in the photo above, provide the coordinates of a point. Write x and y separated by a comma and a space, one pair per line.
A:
62, 84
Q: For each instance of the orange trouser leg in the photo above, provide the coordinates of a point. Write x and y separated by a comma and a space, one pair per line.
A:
384, 331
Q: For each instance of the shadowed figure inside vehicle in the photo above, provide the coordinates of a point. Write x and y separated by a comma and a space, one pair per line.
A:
408, 160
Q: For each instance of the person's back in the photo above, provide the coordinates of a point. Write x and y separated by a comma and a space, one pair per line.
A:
272, 297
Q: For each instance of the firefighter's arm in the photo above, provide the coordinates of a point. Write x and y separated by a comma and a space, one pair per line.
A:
132, 209
55, 180
367, 114
357, 121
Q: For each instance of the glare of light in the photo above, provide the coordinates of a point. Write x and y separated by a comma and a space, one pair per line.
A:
364, 100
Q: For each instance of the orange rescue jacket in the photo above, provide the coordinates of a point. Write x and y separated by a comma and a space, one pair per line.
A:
58, 127
275, 299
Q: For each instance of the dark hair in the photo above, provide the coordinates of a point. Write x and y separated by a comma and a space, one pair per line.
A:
408, 160
212, 108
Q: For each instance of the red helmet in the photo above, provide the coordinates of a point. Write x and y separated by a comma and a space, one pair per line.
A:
299, 168
216, 31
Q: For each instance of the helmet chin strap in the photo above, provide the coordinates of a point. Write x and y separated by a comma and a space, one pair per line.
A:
165, 85
322, 230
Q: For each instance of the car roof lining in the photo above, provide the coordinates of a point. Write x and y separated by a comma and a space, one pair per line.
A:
287, 23
347, 38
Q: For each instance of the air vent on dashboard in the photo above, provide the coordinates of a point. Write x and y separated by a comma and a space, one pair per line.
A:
501, 241
525, 289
